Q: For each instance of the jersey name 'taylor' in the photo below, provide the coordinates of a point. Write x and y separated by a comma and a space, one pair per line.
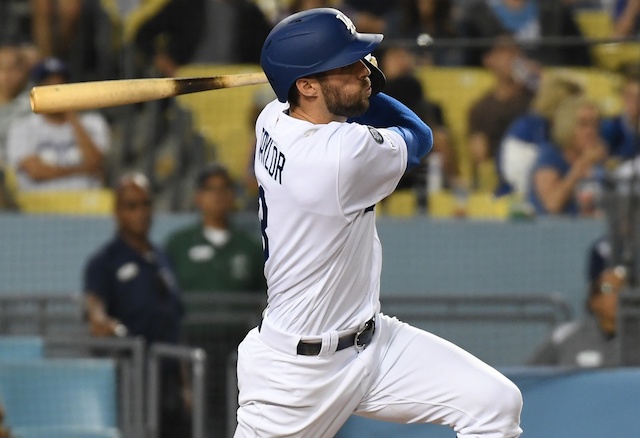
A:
271, 158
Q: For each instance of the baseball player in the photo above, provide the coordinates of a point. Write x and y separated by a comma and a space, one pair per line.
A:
328, 149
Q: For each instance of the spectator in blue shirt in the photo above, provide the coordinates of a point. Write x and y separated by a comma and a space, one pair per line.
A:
563, 174
528, 21
621, 131
131, 290
519, 146
626, 18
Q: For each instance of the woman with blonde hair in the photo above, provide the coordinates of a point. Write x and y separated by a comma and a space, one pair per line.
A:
574, 155
519, 147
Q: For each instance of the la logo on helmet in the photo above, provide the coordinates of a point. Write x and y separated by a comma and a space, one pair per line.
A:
347, 22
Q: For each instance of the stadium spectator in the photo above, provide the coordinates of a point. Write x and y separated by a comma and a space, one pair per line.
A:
626, 18
440, 168
371, 16
577, 5
566, 176
591, 341
14, 104
519, 146
166, 33
14, 96
54, 25
621, 132
303, 5
226, 38
529, 21
436, 18
213, 256
130, 289
490, 116
58, 151
4, 430
15, 21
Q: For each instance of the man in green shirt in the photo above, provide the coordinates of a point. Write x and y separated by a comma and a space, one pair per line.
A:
210, 258
213, 255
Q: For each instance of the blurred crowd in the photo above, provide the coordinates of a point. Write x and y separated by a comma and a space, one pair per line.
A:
534, 135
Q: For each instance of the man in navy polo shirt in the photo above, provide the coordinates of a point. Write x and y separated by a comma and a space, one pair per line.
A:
130, 290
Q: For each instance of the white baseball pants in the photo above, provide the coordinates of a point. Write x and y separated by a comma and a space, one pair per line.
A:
406, 375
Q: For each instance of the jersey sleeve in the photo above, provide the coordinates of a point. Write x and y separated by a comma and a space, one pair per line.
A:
386, 112
96, 277
371, 163
548, 158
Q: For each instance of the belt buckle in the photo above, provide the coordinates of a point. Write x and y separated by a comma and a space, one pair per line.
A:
356, 340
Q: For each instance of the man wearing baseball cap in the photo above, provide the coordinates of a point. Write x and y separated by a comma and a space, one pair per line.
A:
57, 151
590, 342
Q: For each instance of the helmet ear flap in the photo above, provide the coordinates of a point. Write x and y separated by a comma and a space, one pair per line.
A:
378, 79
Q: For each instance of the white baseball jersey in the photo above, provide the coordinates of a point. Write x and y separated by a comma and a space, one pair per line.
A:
318, 185
55, 144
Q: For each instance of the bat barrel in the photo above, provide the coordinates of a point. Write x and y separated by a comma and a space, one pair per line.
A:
102, 94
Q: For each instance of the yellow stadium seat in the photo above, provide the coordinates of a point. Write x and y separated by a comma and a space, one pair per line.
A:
594, 23
455, 89
601, 85
223, 116
98, 201
597, 24
487, 206
402, 203
443, 204
91, 201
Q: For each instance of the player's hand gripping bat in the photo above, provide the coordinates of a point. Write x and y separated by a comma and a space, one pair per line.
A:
102, 94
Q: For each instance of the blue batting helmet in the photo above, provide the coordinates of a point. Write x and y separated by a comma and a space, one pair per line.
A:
311, 42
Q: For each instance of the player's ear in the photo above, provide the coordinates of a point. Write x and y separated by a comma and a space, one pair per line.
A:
308, 87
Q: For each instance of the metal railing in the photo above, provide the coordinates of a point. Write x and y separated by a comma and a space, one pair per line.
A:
546, 308
197, 358
629, 327
242, 311
129, 354
39, 314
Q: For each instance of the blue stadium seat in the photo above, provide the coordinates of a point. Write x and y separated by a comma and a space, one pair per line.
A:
65, 432
21, 348
52, 393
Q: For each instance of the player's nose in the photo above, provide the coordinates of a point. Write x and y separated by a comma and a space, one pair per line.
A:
363, 69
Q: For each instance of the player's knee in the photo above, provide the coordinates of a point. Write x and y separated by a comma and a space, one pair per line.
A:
504, 406
511, 399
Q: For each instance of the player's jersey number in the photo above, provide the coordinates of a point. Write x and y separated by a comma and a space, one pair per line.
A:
263, 222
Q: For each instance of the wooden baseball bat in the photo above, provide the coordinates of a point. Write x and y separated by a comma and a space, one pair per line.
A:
102, 94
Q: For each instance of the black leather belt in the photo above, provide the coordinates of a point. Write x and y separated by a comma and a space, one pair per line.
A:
359, 340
